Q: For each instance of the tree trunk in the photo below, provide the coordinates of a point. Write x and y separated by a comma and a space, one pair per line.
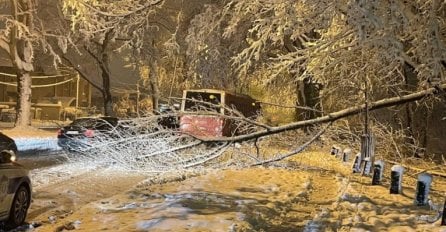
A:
410, 84
23, 116
424, 142
21, 55
307, 96
106, 94
105, 70
153, 82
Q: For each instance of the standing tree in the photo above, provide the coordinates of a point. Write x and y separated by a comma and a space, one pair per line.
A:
21, 32
110, 26
208, 54
90, 57
337, 45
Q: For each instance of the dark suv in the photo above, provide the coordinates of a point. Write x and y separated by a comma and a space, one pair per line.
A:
80, 131
168, 117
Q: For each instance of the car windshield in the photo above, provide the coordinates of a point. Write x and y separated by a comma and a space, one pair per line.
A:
95, 123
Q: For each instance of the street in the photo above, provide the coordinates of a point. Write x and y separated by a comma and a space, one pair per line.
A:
39, 159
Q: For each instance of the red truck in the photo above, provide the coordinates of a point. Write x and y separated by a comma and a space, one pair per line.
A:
205, 111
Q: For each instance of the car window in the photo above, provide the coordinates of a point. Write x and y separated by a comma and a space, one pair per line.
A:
198, 101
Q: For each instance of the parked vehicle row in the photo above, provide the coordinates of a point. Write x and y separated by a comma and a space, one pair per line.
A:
15, 184
78, 134
192, 119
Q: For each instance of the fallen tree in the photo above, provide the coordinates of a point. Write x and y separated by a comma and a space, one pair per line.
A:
144, 145
331, 117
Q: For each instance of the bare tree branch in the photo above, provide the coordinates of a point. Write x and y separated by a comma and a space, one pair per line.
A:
293, 107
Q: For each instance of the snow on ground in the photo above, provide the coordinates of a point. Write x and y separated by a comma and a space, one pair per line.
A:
315, 193
322, 197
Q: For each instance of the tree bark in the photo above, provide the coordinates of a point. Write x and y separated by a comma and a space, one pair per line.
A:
105, 70
307, 96
106, 94
410, 83
23, 116
153, 82
21, 55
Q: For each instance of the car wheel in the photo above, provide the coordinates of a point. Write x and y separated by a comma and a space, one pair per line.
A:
19, 207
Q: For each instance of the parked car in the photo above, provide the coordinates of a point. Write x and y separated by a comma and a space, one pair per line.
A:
15, 191
77, 134
7, 144
168, 118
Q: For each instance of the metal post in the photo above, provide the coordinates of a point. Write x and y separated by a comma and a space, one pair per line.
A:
366, 117
77, 96
367, 142
443, 219
137, 99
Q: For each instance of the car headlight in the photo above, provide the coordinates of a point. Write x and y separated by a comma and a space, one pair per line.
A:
7, 156
13, 157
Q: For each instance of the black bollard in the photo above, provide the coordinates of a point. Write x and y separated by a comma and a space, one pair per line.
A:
443, 219
367, 166
357, 163
346, 155
378, 169
423, 186
396, 178
335, 150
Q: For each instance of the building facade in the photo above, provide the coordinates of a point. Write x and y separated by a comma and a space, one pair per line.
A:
54, 97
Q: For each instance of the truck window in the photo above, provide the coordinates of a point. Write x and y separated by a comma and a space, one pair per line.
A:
202, 101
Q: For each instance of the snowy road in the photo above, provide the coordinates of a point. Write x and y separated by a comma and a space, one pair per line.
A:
39, 159
90, 194
86, 196
61, 187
